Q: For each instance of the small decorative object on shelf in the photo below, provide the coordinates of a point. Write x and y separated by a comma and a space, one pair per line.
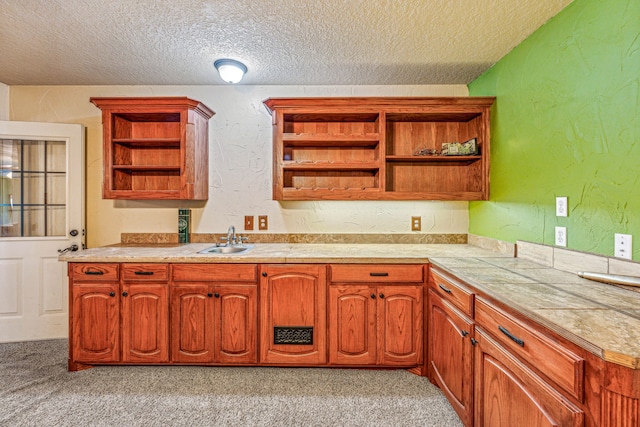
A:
467, 148
426, 152
184, 225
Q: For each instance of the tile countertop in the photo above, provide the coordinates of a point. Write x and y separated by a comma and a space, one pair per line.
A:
600, 318
280, 253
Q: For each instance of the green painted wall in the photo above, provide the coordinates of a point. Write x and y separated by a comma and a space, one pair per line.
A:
566, 122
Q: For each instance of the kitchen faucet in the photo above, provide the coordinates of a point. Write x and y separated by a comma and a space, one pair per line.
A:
231, 235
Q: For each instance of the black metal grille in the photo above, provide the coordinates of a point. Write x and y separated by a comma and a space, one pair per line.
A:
293, 334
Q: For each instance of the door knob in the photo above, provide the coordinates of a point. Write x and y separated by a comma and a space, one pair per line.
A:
71, 248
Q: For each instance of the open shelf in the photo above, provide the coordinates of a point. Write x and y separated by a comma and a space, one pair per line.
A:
331, 148
150, 147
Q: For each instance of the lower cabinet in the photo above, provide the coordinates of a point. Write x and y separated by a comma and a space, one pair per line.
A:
119, 314
213, 318
293, 314
496, 370
450, 355
375, 325
508, 393
94, 323
376, 315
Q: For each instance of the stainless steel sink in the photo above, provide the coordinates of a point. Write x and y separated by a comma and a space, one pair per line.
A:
227, 250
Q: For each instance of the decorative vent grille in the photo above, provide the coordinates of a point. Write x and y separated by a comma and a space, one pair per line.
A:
293, 335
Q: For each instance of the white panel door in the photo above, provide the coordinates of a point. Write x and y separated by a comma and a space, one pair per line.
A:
41, 213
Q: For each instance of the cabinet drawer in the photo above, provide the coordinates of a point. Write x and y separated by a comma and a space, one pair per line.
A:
368, 273
133, 272
452, 291
540, 351
215, 273
94, 272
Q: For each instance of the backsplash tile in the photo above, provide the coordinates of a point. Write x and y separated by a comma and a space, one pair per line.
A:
535, 252
574, 261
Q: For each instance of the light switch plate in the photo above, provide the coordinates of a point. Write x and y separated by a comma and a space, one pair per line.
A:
248, 222
623, 247
561, 236
562, 207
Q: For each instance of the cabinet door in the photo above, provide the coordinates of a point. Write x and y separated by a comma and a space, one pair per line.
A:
399, 325
95, 323
236, 327
450, 355
352, 320
145, 328
293, 314
192, 327
507, 393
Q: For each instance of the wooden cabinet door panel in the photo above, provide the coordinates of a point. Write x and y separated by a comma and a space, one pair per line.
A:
352, 316
293, 296
236, 323
399, 325
192, 324
145, 328
507, 393
450, 355
96, 323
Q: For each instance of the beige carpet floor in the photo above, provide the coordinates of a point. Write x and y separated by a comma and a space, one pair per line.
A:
37, 390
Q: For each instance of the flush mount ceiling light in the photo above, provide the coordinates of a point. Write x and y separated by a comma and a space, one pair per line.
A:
231, 71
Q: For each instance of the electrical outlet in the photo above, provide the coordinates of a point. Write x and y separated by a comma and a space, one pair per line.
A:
263, 222
623, 246
561, 236
248, 222
416, 223
562, 206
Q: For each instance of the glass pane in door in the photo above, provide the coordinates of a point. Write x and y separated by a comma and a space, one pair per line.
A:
32, 188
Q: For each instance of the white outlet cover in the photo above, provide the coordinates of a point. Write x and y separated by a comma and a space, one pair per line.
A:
562, 206
561, 236
623, 247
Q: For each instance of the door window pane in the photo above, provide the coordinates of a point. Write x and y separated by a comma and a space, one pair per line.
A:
32, 188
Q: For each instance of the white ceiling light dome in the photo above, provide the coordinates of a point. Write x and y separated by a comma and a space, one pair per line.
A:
230, 70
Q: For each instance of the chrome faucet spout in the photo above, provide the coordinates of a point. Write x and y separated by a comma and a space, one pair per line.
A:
231, 235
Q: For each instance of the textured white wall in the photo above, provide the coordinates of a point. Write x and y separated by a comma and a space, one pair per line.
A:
4, 102
240, 159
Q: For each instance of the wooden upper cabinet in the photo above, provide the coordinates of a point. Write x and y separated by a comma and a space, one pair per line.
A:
366, 148
155, 148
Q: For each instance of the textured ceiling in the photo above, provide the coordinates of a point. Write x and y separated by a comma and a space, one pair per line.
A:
282, 42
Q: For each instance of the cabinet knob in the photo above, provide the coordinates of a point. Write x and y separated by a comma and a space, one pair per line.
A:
381, 295
264, 274
112, 294
124, 294
373, 296
464, 333
217, 295
473, 341
209, 294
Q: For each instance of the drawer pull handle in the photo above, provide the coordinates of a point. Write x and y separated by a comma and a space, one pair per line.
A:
444, 288
511, 336
94, 273
144, 273
381, 274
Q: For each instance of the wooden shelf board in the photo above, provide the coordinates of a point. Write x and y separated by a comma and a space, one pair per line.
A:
150, 168
329, 140
326, 166
433, 159
148, 142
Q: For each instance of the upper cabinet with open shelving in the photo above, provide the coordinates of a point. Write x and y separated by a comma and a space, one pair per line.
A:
155, 148
365, 148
